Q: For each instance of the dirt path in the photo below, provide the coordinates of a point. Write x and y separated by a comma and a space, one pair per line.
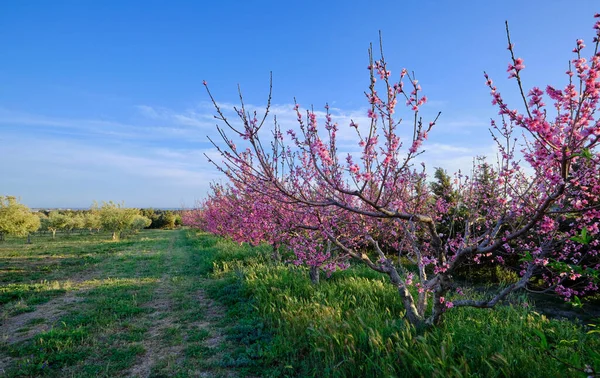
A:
165, 318
161, 318
213, 314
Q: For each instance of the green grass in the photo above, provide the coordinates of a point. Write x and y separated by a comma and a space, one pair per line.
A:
351, 325
177, 303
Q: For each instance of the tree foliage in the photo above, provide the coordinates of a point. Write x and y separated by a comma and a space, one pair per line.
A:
140, 222
115, 217
57, 221
16, 218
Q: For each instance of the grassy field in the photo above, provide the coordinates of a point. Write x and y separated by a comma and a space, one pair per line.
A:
351, 325
85, 306
178, 304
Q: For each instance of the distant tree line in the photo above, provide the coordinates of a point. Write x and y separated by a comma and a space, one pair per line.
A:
18, 220
163, 219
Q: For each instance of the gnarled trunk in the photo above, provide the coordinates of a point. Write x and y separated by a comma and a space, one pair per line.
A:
314, 274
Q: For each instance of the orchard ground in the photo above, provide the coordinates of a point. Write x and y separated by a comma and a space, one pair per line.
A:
82, 305
181, 303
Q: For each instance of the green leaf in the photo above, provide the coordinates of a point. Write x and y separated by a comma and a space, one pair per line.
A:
542, 336
527, 257
576, 302
591, 272
560, 266
593, 330
583, 238
586, 154
568, 342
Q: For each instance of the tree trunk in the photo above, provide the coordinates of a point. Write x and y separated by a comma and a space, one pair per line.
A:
114, 235
29, 238
53, 234
1, 236
276, 256
412, 313
314, 274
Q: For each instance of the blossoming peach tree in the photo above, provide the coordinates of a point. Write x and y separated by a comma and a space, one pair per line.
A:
539, 204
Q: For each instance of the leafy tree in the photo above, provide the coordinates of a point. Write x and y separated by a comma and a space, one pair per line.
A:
91, 220
442, 186
115, 217
71, 222
149, 213
164, 219
44, 222
178, 220
57, 221
16, 218
169, 220
78, 221
140, 222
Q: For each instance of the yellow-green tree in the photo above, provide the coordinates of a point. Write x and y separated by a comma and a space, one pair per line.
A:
169, 219
16, 218
92, 220
77, 222
140, 222
44, 222
57, 221
115, 217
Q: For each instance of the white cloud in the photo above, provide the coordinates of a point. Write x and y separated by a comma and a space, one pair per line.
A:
160, 160
148, 111
158, 130
43, 170
198, 118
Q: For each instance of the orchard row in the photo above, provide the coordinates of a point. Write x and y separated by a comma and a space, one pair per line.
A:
535, 210
17, 219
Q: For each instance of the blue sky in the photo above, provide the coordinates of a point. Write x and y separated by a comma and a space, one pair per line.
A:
103, 100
